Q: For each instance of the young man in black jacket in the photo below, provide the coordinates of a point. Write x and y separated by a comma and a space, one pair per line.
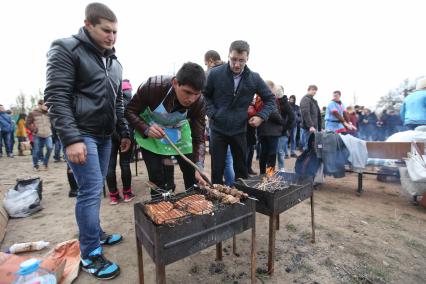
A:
228, 93
84, 96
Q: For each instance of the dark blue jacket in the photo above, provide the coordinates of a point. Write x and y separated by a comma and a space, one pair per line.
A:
228, 111
5, 122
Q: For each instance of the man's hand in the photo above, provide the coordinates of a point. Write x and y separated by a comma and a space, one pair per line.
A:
200, 179
255, 121
125, 144
349, 126
312, 129
155, 131
77, 153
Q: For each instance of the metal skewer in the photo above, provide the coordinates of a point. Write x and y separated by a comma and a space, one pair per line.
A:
188, 160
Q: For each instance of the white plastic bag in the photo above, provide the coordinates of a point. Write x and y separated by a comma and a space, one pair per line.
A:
409, 187
416, 164
21, 204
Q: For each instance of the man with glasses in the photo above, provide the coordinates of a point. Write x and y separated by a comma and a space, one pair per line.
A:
228, 93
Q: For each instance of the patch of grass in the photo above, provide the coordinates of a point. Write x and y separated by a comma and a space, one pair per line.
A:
328, 262
306, 235
377, 272
393, 224
334, 235
415, 245
306, 268
328, 209
360, 254
407, 216
291, 228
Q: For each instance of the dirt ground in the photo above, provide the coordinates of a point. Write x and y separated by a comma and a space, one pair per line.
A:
377, 238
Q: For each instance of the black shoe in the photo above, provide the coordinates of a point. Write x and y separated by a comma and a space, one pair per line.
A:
286, 157
293, 155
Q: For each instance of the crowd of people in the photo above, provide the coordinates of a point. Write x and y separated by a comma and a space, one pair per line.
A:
89, 112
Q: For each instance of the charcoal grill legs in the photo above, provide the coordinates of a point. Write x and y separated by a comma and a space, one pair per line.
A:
271, 246
160, 271
253, 251
360, 190
234, 245
278, 222
219, 251
140, 261
312, 218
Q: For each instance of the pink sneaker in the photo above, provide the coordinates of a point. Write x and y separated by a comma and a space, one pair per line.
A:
128, 195
114, 198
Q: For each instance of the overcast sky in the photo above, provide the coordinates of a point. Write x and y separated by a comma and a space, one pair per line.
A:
363, 48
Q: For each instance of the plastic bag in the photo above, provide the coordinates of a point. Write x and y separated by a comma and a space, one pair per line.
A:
30, 184
416, 165
409, 187
21, 204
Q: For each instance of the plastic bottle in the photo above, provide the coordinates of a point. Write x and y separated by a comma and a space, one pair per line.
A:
25, 247
31, 273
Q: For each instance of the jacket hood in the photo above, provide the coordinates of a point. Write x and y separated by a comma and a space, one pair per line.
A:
84, 37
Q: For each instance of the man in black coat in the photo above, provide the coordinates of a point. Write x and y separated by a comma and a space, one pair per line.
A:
229, 91
85, 100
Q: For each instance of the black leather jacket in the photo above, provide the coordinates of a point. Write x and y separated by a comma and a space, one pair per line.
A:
83, 94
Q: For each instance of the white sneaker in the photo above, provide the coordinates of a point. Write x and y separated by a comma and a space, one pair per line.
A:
282, 170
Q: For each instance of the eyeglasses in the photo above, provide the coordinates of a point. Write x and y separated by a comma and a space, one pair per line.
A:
236, 60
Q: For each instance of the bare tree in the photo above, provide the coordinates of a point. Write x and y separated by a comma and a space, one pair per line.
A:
21, 102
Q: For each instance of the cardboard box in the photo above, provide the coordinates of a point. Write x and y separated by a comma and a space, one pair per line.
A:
4, 218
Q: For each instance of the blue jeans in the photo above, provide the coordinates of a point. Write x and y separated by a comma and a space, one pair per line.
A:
58, 147
229, 168
5, 137
304, 137
293, 142
90, 180
39, 143
282, 150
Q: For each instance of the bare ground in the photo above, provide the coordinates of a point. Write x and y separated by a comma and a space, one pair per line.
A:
377, 238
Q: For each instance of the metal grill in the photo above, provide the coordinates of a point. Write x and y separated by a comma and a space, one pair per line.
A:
167, 244
273, 202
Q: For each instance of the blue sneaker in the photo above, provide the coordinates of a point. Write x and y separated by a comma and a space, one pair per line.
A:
98, 266
109, 240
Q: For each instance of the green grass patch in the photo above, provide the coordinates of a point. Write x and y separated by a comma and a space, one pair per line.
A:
291, 228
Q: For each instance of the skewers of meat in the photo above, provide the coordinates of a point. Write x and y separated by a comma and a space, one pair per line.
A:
231, 191
219, 192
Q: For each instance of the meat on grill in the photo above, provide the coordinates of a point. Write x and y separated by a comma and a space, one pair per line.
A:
153, 210
231, 191
183, 202
200, 207
169, 216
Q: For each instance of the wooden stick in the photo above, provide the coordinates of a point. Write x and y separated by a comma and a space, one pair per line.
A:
188, 160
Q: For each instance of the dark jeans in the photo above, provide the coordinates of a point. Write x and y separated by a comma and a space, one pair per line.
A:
160, 175
57, 150
126, 174
218, 149
268, 152
6, 138
250, 154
